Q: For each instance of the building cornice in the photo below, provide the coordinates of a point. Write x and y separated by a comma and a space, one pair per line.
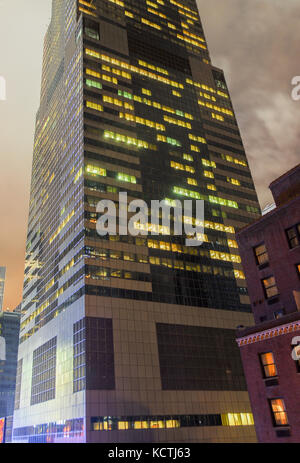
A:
269, 333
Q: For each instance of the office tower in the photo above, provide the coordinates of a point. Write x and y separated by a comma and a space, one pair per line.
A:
270, 251
9, 332
2, 284
132, 338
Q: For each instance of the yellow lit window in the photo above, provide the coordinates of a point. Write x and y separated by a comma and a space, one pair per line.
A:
151, 24
208, 174
175, 93
211, 187
225, 256
95, 106
197, 138
95, 170
208, 163
93, 73
172, 424
145, 91
234, 181
93, 53
130, 15
188, 157
141, 425
157, 424
123, 425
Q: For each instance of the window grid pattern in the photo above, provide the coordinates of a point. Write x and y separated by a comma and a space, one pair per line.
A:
79, 369
18, 384
44, 372
124, 423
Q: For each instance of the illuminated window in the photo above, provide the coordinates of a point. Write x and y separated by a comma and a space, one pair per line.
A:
93, 83
189, 193
279, 412
175, 93
211, 187
268, 365
261, 254
96, 107
92, 53
141, 425
130, 15
145, 91
117, 137
170, 141
234, 181
126, 178
223, 202
125, 94
95, 170
208, 163
197, 138
208, 174
93, 73
237, 419
188, 157
270, 287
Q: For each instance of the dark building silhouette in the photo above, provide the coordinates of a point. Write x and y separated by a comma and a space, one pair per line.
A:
270, 251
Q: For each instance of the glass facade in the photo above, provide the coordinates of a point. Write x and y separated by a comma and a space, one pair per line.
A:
130, 102
9, 331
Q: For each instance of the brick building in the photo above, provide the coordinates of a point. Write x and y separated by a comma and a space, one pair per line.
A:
270, 251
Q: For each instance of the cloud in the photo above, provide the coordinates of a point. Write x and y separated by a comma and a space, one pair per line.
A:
256, 43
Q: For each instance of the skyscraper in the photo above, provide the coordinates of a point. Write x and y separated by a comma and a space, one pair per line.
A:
9, 332
2, 283
131, 338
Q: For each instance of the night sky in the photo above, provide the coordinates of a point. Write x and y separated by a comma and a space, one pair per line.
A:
257, 44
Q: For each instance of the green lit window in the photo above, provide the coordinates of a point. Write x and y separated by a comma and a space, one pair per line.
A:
126, 178
223, 202
93, 83
189, 193
125, 94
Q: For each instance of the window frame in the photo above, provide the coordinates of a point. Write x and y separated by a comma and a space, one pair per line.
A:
256, 256
266, 289
263, 366
273, 413
296, 228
